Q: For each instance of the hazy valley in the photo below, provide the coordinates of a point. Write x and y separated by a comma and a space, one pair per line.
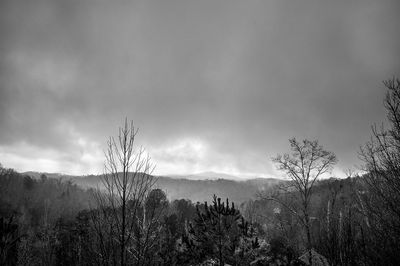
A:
196, 187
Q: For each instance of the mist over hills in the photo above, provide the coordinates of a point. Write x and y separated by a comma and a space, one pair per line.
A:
209, 176
202, 190
196, 187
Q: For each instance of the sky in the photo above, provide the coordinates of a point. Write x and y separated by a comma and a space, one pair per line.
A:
212, 85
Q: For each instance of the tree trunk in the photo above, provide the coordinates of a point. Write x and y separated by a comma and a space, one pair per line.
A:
308, 233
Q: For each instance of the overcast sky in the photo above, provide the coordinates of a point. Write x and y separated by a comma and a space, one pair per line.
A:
212, 85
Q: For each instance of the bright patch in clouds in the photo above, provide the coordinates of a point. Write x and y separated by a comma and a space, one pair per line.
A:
83, 157
180, 156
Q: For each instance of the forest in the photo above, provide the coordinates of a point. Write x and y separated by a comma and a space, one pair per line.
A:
129, 220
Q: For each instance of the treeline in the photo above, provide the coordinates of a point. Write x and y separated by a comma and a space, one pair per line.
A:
50, 222
30, 211
339, 226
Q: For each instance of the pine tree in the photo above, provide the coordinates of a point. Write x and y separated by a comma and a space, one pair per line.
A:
220, 232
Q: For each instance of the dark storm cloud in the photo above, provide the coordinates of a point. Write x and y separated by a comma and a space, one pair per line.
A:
213, 85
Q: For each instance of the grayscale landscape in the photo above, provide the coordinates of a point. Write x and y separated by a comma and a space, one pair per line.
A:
199, 133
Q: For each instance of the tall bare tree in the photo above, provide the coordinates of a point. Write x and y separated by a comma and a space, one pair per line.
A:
307, 162
126, 183
380, 202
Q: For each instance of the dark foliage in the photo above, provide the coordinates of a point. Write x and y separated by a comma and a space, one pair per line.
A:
9, 239
220, 232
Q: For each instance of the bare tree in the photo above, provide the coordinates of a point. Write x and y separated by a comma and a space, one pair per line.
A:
380, 201
307, 162
126, 181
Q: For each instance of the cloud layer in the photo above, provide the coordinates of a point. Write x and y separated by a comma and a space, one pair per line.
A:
213, 85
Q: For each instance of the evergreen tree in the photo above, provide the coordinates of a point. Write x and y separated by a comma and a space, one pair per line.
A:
220, 232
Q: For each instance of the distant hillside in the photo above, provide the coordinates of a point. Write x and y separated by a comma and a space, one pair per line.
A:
202, 190
215, 176
184, 188
208, 176
37, 175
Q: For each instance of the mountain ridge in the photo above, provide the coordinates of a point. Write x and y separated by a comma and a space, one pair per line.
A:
199, 190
